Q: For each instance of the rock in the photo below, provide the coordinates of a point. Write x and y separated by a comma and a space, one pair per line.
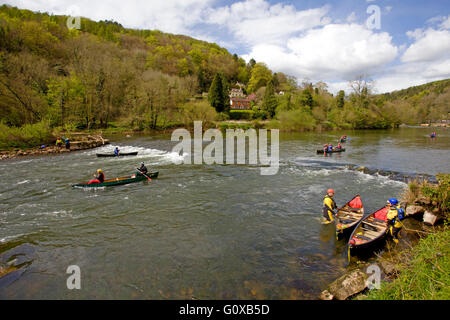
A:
388, 268
348, 285
326, 295
430, 218
423, 200
362, 169
413, 210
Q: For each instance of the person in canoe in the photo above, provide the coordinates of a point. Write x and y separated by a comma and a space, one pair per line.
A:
325, 147
330, 147
393, 218
99, 177
142, 170
329, 205
339, 147
116, 151
433, 135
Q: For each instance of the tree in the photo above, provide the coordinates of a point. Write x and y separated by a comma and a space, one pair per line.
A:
260, 76
340, 99
269, 103
218, 94
306, 99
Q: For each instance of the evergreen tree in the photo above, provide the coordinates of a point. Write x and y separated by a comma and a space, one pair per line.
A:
307, 99
269, 103
218, 94
340, 99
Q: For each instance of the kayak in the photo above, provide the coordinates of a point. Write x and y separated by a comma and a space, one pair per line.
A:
334, 151
348, 216
121, 154
370, 231
117, 181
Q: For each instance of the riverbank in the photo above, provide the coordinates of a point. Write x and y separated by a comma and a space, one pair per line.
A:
416, 270
78, 141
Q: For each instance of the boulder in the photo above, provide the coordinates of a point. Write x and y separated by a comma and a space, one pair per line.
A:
348, 285
430, 218
413, 210
326, 295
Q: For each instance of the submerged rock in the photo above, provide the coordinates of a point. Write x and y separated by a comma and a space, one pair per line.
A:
348, 285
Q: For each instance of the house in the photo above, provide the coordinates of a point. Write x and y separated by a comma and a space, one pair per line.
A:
240, 104
236, 93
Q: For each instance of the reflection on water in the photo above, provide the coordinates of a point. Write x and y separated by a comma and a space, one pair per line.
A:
204, 232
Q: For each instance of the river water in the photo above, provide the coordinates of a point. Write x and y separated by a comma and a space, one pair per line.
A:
198, 231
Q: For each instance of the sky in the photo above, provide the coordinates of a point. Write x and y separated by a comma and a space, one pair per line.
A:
396, 43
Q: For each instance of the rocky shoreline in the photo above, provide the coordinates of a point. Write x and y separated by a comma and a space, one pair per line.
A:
421, 215
80, 141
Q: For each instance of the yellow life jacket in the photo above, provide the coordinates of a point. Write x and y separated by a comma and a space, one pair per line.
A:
392, 215
329, 203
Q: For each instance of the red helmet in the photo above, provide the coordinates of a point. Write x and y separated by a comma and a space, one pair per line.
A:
330, 191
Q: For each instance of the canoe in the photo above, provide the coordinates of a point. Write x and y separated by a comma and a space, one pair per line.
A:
121, 154
370, 232
347, 218
334, 151
117, 181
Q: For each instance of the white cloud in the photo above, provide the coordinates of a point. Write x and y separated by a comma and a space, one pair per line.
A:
175, 16
256, 21
429, 45
336, 51
446, 23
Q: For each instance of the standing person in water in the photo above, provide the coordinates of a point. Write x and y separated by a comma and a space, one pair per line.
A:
329, 205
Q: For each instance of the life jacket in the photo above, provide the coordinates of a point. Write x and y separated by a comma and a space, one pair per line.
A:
401, 213
333, 203
393, 217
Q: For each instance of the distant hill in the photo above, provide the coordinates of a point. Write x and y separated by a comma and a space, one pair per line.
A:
437, 87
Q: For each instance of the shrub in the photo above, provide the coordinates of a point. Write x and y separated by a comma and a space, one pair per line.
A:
241, 114
29, 135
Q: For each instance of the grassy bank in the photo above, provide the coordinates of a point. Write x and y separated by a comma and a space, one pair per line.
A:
426, 274
424, 271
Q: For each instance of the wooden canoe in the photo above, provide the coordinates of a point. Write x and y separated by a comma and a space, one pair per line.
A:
117, 181
347, 218
334, 151
121, 154
369, 232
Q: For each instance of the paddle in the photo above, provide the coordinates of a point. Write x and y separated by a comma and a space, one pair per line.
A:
144, 174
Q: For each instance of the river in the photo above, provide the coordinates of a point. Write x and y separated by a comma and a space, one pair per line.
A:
198, 231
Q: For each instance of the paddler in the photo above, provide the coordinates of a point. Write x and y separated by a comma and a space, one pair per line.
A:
142, 170
392, 218
329, 205
116, 151
99, 177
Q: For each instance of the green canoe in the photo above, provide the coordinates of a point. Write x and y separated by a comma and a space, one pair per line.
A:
117, 181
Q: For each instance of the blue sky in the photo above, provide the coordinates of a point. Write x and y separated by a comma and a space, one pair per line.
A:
319, 40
